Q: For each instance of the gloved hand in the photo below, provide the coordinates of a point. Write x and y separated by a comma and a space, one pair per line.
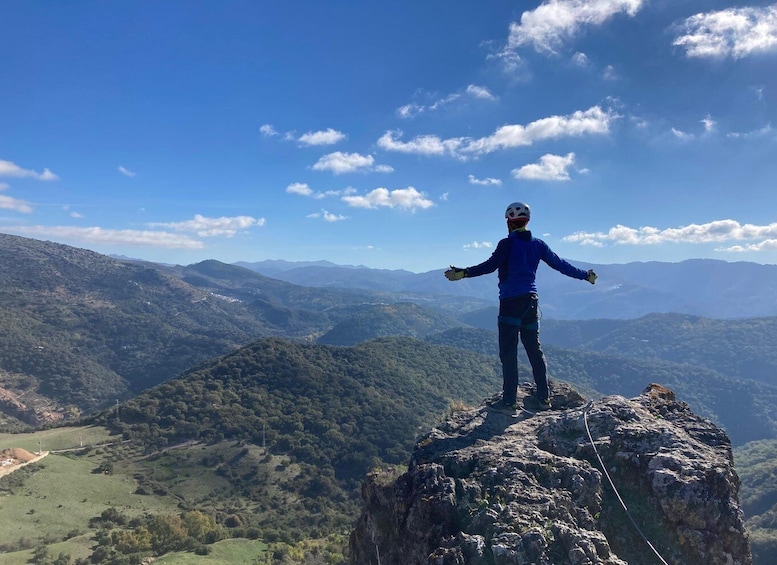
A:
455, 274
591, 276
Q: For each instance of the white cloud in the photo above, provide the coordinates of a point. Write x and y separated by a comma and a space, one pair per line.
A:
437, 104
484, 182
512, 63
609, 73
712, 232
213, 227
478, 245
4, 186
480, 92
580, 59
547, 27
405, 198
327, 137
300, 188
766, 245
709, 124
11, 169
550, 167
126, 172
99, 235
593, 121
679, 134
767, 130
9, 203
410, 110
444, 196
303, 189
268, 130
422, 145
734, 32
413, 109
328, 216
340, 163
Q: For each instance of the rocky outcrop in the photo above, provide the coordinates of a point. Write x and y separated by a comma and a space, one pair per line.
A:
489, 488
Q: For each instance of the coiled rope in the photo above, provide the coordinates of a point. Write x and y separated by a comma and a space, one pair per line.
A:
612, 484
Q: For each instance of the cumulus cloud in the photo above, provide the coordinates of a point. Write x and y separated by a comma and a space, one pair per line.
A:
733, 32
340, 163
98, 235
593, 121
328, 216
267, 130
484, 182
554, 22
126, 172
300, 188
403, 198
327, 137
213, 227
712, 232
11, 169
478, 245
766, 245
480, 92
550, 167
10, 203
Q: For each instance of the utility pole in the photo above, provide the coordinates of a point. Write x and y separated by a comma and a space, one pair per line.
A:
117, 408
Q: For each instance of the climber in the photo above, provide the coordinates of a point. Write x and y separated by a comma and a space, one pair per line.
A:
517, 257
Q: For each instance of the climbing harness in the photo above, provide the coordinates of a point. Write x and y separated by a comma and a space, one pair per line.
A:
586, 408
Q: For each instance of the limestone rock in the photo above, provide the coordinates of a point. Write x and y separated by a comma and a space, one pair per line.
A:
489, 488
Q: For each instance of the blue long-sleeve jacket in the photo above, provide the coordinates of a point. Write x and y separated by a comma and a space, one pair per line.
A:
517, 257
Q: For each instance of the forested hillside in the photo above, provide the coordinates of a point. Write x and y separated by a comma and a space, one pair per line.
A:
756, 465
740, 348
335, 411
80, 329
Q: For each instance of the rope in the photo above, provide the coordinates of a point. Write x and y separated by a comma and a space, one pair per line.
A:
612, 484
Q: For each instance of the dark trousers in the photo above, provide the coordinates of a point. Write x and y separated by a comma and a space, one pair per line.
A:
519, 318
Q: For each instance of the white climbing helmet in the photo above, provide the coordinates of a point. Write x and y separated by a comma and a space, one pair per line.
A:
518, 211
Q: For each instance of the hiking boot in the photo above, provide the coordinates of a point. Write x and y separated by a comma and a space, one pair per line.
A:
540, 403
503, 406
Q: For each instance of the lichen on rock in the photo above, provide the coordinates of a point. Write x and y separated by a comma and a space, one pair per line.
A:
489, 488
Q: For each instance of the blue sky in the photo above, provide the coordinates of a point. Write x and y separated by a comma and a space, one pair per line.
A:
391, 134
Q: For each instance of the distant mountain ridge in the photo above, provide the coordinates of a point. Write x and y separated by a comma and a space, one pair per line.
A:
704, 287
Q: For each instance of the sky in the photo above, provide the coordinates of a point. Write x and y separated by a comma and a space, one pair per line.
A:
390, 134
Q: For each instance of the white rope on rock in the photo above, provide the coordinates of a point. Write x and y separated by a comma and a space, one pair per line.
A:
612, 484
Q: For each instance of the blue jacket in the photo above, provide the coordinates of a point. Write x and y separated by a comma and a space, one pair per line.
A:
517, 257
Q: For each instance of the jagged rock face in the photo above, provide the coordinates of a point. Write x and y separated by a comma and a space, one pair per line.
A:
488, 488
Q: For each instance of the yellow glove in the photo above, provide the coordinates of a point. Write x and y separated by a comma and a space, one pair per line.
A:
455, 274
591, 276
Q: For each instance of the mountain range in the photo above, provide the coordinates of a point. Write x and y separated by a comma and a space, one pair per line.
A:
702, 287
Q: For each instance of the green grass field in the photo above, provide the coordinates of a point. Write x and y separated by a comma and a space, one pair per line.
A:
63, 493
57, 438
226, 552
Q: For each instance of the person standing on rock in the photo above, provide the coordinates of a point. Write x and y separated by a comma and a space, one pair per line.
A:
517, 257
